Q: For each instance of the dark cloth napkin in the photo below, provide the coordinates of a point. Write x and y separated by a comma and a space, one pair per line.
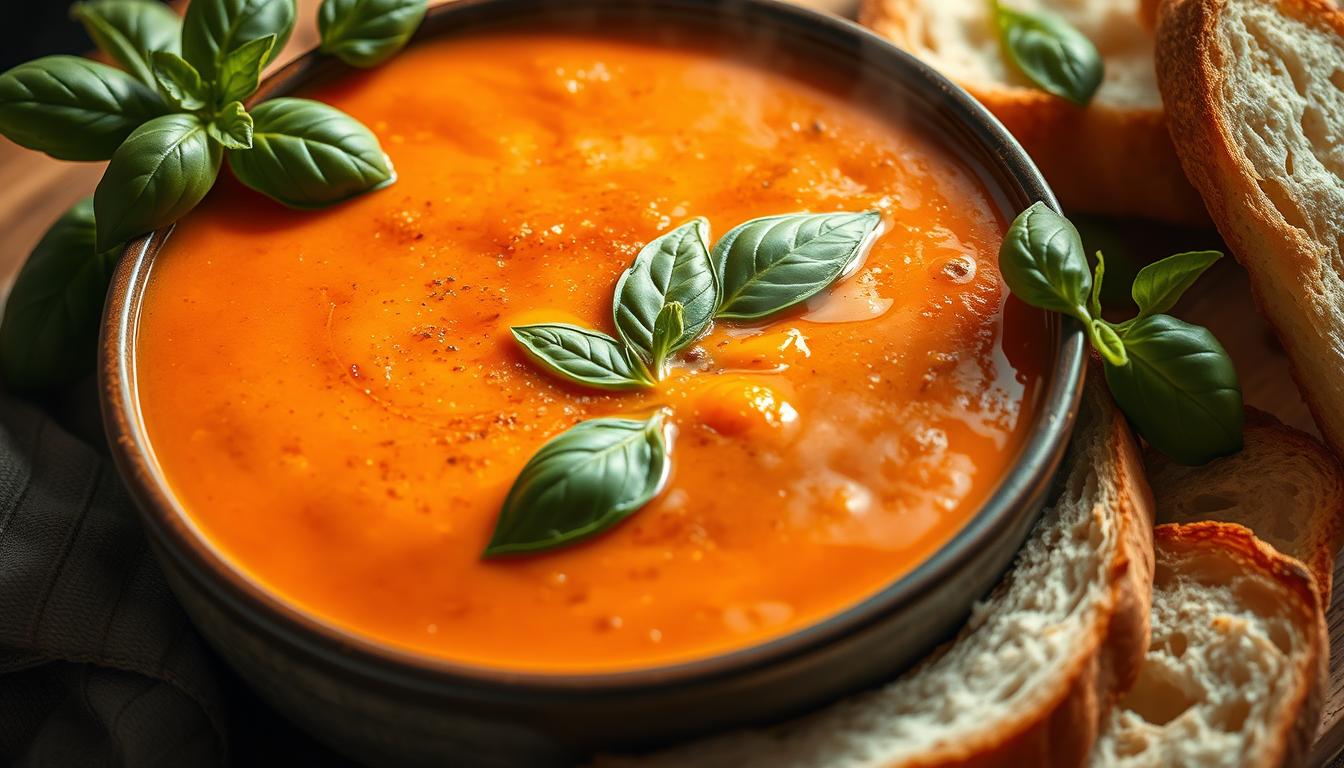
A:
98, 664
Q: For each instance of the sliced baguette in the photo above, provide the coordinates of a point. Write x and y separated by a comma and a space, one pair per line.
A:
1114, 157
1255, 98
1283, 485
1237, 668
1039, 662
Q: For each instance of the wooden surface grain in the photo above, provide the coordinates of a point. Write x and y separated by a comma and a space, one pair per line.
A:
34, 190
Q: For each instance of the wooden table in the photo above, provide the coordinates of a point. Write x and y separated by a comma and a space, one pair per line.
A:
34, 190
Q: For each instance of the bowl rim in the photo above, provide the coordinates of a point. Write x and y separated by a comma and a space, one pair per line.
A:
176, 536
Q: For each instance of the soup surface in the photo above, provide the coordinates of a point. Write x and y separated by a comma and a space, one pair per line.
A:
336, 401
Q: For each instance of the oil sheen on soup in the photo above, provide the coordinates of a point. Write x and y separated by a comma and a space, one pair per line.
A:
335, 399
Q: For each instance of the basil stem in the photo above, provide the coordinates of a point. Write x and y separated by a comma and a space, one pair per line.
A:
159, 174
1050, 52
768, 265
365, 33
73, 108
129, 30
49, 335
306, 154
582, 482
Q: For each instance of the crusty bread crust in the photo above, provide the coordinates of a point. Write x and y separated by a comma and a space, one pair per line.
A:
1283, 262
1099, 159
1292, 735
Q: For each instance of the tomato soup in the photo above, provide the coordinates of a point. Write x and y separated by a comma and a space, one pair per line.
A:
337, 403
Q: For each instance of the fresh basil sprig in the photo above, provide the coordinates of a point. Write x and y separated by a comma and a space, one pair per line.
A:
582, 482
365, 33
166, 122
1173, 380
1051, 53
49, 334
598, 473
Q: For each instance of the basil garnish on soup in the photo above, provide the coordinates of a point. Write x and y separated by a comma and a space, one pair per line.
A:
668, 298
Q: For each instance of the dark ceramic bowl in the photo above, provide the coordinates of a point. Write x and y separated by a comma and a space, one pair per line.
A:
387, 706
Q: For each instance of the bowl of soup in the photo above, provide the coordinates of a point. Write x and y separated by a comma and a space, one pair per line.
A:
321, 413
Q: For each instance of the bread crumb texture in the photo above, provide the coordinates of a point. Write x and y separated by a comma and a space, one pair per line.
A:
1235, 650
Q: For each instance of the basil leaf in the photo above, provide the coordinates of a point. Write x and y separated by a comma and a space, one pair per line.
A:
1042, 262
768, 265
73, 108
582, 482
179, 81
232, 127
1052, 54
667, 328
364, 33
306, 154
580, 355
1098, 275
1179, 389
129, 30
212, 29
49, 335
240, 70
159, 174
1107, 342
1159, 285
673, 268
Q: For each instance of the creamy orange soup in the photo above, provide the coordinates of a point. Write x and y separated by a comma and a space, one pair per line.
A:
335, 399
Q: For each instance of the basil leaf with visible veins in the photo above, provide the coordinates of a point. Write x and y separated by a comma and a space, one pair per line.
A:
580, 355
582, 482
673, 268
768, 265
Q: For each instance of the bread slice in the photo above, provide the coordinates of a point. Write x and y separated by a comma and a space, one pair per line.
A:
1237, 668
1255, 98
1283, 485
1040, 660
1113, 157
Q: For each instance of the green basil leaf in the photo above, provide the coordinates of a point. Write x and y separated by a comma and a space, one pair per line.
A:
232, 127
1098, 275
212, 29
1042, 262
159, 174
73, 108
49, 335
129, 30
668, 327
179, 81
673, 268
768, 265
582, 482
1179, 389
1052, 54
583, 356
364, 33
306, 154
1107, 342
1159, 285
240, 70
